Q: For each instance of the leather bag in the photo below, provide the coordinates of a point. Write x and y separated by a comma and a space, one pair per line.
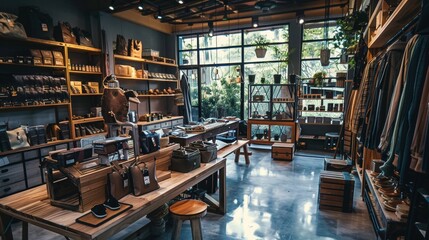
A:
208, 151
4, 139
83, 37
143, 177
135, 48
121, 45
36, 23
149, 142
9, 28
64, 33
185, 160
119, 185
17, 138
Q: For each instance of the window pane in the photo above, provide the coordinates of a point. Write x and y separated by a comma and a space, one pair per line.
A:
250, 55
264, 70
312, 49
310, 67
187, 42
223, 40
314, 31
272, 35
188, 58
227, 55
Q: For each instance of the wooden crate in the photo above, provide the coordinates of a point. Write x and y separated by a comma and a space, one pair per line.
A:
338, 165
283, 151
336, 191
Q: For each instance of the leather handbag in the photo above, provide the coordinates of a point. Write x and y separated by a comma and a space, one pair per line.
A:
121, 45
135, 48
36, 23
149, 142
4, 139
143, 177
17, 138
119, 185
83, 37
63, 33
185, 160
10, 28
208, 151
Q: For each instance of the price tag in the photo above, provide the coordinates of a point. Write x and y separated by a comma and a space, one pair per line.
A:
146, 178
125, 182
44, 27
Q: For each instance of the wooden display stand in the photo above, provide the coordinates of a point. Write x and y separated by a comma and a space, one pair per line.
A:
283, 151
338, 165
336, 191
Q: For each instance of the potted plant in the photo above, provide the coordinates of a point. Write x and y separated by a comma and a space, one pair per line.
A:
318, 78
281, 54
261, 46
349, 28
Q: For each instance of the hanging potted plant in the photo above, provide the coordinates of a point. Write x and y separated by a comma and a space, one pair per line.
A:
318, 78
282, 55
261, 46
348, 30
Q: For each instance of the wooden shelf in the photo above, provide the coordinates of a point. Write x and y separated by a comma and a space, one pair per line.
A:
86, 94
79, 48
42, 42
160, 63
320, 111
328, 99
322, 124
338, 89
259, 101
87, 120
146, 79
91, 135
127, 58
31, 65
165, 119
58, 142
158, 95
403, 14
162, 80
35, 106
83, 72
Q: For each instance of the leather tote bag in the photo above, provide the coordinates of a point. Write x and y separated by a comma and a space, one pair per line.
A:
208, 151
64, 33
10, 28
121, 45
83, 37
36, 23
135, 48
143, 177
119, 184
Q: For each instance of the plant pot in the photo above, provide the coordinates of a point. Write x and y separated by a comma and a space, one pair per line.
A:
185, 61
252, 78
260, 52
325, 54
292, 79
262, 80
277, 78
283, 137
343, 57
259, 136
276, 137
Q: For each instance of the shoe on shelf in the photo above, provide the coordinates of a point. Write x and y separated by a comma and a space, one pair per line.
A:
111, 203
99, 211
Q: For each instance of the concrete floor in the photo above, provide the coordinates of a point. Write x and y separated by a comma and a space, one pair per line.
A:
271, 200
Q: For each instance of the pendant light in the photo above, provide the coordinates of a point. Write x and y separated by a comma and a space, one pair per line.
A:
325, 53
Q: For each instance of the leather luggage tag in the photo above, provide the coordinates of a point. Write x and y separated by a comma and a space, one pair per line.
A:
146, 178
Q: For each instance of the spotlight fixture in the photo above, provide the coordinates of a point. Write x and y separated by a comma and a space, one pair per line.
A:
159, 15
180, 1
111, 7
300, 17
255, 22
140, 6
211, 29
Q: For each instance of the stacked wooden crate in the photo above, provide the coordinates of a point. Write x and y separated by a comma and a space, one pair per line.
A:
336, 191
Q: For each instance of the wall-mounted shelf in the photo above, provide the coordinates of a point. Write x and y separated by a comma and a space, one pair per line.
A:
35, 106
83, 72
88, 120
31, 65
86, 94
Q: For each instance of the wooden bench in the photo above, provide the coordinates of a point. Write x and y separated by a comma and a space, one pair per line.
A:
235, 147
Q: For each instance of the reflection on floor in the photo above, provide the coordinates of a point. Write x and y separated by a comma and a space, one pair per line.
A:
272, 200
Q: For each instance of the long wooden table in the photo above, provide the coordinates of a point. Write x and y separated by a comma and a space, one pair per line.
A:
33, 206
208, 134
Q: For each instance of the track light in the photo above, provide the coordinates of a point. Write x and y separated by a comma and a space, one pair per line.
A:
255, 22
180, 1
111, 7
140, 6
159, 15
300, 17
211, 29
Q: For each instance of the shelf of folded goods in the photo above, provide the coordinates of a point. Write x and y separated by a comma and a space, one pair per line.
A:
24, 149
84, 72
31, 65
88, 120
386, 223
86, 94
35, 106
404, 13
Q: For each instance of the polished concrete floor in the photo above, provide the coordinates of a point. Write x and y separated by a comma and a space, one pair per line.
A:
271, 200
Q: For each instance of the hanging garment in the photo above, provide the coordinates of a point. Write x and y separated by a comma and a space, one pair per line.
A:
421, 131
384, 87
399, 138
390, 122
184, 85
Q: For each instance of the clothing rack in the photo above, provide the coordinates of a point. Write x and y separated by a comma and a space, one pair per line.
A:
404, 30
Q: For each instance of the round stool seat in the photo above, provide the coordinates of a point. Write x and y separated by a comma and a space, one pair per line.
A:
189, 209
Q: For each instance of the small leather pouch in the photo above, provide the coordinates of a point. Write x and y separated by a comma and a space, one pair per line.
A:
17, 138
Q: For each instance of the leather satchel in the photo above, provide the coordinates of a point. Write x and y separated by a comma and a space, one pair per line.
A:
63, 33
185, 160
10, 28
143, 177
121, 45
135, 48
17, 138
83, 37
37, 24
208, 151
119, 185
149, 142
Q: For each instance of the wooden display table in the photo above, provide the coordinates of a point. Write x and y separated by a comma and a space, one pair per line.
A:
235, 147
283, 151
32, 206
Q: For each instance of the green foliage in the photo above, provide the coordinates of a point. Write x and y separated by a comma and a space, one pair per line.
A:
349, 29
281, 53
261, 42
318, 78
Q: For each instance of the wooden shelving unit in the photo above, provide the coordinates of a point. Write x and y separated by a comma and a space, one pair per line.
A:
31, 65
35, 106
84, 72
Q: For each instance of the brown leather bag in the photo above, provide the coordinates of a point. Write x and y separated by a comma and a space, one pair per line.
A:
119, 181
135, 48
63, 33
143, 177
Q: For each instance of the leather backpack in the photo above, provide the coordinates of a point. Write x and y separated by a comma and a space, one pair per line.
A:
36, 23
121, 45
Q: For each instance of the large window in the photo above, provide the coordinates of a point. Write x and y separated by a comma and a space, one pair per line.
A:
313, 40
224, 63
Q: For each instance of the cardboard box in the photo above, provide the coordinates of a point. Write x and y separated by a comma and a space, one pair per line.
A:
147, 52
48, 58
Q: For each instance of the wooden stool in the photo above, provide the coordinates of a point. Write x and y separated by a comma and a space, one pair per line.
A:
192, 210
331, 140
